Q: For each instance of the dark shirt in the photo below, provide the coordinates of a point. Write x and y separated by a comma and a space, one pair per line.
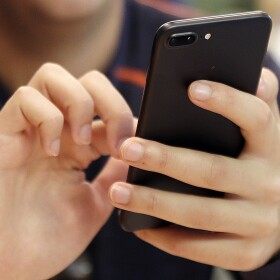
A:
115, 254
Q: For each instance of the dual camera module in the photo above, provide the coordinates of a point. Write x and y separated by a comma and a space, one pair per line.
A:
185, 39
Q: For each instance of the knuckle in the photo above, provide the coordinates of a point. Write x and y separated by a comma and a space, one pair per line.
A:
162, 158
224, 94
252, 260
269, 224
84, 102
128, 115
54, 120
207, 218
94, 75
272, 191
156, 157
202, 220
25, 95
264, 116
272, 225
57, 117
22, 92
215, 170
273, 81
123, 115
46, 73
246, 258
178, 250
152, 203
49, 67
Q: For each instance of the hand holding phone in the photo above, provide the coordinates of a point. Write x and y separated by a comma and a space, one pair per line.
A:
227, 49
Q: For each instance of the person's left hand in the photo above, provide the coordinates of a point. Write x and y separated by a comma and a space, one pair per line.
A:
240, 231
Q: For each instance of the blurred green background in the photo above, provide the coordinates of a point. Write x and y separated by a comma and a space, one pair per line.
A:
222, 6
226, 5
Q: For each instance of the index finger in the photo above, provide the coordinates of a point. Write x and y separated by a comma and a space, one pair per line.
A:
111, 107
250, 113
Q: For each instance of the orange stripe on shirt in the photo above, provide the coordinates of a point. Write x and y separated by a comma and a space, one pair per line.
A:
173, 9
131, 75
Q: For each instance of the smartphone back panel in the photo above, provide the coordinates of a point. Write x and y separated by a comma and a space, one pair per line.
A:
233, 55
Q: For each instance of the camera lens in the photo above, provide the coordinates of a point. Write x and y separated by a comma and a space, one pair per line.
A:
182, 39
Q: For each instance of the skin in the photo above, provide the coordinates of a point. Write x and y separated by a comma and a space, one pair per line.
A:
49, 213
70, 33
240, 231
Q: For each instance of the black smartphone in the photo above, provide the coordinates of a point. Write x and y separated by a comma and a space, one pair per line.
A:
229, 49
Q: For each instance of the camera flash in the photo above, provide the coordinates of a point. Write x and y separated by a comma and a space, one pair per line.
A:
207, 36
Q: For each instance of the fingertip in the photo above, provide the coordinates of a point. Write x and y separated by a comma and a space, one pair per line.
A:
200, 90
132, 151
84, 135
54, 148
120, 193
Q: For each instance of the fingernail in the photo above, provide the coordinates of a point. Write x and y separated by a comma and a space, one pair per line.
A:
85, 134
132, 151
55, 147
120, 194
200, 91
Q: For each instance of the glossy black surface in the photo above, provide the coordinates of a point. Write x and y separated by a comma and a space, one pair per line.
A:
233, 55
